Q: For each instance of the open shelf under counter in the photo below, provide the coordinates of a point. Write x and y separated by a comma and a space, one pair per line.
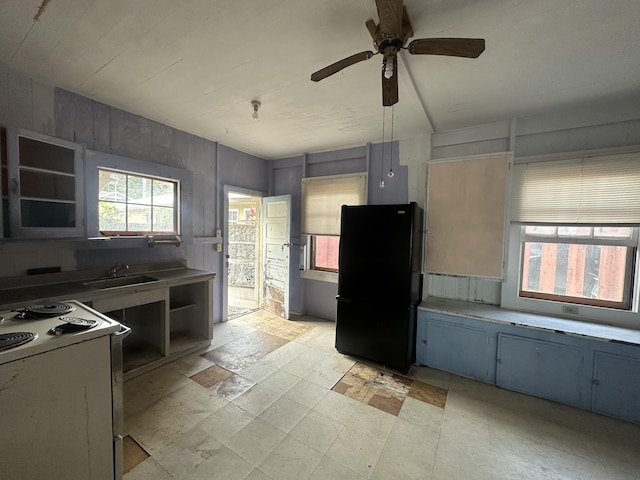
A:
184, 341
178, 306
137, 353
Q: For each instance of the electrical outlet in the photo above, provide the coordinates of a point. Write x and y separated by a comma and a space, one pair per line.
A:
571, 310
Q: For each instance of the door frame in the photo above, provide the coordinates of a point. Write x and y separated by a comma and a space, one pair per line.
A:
225, 243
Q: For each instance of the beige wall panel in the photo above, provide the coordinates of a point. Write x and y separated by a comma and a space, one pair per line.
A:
466, 202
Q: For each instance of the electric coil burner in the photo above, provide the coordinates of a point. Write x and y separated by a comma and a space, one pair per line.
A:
72, 325
44, 310
15, 339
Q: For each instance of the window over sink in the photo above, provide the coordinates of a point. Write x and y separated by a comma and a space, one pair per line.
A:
130, 198
131, 204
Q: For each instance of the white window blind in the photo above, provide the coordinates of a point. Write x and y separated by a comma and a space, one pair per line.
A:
598, 190
323, 197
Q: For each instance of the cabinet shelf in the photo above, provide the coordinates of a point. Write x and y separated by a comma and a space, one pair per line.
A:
137, 353
183, 340
177, 306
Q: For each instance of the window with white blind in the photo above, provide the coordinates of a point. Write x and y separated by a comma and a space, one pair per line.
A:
322, 200
574, 237
584, 191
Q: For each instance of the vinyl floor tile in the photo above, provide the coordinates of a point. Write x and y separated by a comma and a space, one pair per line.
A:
244, 351
210, 376
133, 454
428, 393
381, 398
232, 387
384, 390
273, 400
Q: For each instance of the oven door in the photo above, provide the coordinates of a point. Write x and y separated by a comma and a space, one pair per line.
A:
117, 401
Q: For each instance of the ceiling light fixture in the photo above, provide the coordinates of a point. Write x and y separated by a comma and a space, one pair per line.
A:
256, 105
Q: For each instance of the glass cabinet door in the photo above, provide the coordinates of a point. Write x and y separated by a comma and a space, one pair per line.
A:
45, 186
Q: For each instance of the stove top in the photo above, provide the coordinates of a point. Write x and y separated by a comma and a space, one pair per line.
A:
15, 339
44, 310
46, 325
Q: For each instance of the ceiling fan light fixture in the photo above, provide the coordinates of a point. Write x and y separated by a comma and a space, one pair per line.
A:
255, 105
390, 36
387, 64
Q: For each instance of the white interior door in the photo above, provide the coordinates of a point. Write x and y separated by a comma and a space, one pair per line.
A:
276, 227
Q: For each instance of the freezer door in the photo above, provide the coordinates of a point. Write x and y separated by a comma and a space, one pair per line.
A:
382, 333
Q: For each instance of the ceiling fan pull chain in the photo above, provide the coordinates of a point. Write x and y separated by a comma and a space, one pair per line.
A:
382, 155
391, 174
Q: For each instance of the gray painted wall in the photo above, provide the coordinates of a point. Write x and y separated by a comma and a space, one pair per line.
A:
42, 108
45, 109
315, 297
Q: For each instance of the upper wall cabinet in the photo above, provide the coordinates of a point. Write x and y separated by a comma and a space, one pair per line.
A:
45, 186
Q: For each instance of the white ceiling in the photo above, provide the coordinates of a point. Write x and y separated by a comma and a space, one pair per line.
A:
197, 64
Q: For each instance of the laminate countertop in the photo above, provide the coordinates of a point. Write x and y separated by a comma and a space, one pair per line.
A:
19, 291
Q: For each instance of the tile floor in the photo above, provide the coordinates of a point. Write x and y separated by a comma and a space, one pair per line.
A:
272, 399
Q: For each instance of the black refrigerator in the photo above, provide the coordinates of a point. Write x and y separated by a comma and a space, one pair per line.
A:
379, 283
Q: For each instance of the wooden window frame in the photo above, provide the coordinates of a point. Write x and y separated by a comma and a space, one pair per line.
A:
175, 207
630, 244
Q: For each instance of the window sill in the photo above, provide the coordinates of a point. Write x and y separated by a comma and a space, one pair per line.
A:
319, 275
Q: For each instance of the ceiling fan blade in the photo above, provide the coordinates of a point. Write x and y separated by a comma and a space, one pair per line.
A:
340, 65
373, 29
454, 47
407, 29
390, 15
390, 85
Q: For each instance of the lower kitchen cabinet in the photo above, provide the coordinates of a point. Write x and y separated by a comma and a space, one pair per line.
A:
166, 323
190, 316
616, 386
544, 369
469, 351
585, 372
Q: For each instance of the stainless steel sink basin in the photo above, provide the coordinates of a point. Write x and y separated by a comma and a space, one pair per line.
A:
119, 281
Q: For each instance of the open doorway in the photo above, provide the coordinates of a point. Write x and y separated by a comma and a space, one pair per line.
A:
244, 248
256, 248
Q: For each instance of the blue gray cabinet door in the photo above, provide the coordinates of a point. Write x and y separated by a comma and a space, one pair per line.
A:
616, 386
459, 349
540, 368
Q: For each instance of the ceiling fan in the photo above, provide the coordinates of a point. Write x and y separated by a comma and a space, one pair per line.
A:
389, 37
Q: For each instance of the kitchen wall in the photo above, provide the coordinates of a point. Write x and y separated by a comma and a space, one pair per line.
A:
26, 103
315, 297
611, 126
42, 108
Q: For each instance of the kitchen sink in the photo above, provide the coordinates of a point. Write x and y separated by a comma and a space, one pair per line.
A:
103, 283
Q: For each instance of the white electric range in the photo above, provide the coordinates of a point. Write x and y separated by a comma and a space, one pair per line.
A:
61, 392
38, 323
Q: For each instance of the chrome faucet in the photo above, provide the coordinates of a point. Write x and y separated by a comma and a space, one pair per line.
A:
113, 271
